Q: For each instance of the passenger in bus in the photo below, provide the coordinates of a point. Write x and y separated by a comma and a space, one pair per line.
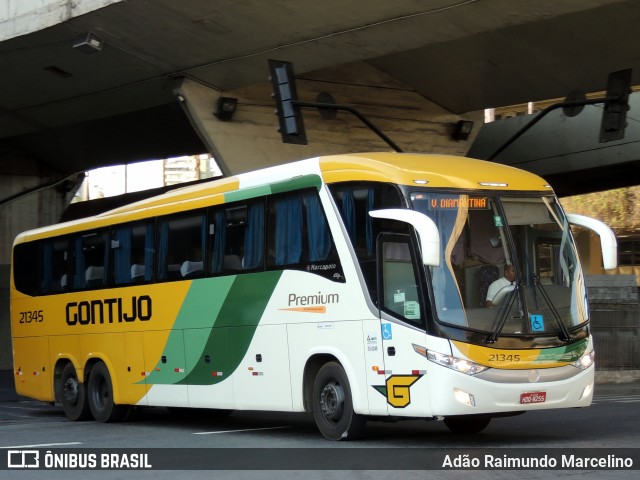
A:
498, 289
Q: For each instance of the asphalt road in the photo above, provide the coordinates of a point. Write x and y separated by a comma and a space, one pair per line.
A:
612, 422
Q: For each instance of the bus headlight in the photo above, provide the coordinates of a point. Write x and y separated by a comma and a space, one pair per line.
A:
454, 363
585, 361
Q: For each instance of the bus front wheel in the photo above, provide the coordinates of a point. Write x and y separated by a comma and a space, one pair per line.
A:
100, 396
72, 395
333, 405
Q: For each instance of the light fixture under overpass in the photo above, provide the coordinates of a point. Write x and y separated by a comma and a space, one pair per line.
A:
462, 130
88, 43
225, 108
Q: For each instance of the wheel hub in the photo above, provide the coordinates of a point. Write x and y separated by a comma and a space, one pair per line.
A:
332, 401
71, 391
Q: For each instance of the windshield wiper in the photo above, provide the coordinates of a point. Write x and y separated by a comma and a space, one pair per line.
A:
564, 336
504, 313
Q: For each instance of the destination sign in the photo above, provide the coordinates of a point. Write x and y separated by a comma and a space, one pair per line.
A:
455, 202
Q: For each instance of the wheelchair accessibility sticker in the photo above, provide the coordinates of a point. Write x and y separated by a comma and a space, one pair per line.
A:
387, 334
537, 323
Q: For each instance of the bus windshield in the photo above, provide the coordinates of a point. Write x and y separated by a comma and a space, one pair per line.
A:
508, 264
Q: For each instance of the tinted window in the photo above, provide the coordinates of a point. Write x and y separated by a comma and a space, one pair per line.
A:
89, 259
299, 235
26, 268
181, 246
237, 238
132, 247
354, 202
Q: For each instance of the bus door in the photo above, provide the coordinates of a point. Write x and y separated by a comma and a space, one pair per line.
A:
401, 322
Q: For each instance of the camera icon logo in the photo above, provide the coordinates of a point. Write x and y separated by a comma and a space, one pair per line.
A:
23, 459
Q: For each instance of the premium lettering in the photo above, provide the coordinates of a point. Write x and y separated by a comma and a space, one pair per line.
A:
109, 310
319, 299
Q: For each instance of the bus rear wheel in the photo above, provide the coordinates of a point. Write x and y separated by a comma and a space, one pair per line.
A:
72, 395
333, 405
100, 396
466, 425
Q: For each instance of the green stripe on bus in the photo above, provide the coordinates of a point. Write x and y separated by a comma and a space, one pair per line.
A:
214, 327
199, 309
297, 183
235, 327
247, 194
569, 353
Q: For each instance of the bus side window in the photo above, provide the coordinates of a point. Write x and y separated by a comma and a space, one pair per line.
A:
40, 267
26, 267
59, 266
254, 237
133, 252
181, 246
236, 238
285, 230
399, 285
90, 255
354, 202
298, 235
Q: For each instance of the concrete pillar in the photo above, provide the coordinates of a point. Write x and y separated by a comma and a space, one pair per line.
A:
21, 17
250, 140
20, 211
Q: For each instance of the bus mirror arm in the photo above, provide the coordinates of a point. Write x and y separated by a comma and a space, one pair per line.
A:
607, 238
428, 234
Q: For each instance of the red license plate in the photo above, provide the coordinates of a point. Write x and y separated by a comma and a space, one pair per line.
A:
533, 397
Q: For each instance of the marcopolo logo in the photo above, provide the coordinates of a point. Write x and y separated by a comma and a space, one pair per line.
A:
109, 310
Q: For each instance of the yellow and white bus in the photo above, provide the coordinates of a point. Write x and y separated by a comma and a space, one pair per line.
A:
350, 286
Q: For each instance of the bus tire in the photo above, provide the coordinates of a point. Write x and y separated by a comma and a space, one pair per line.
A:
100, 396
333, 405
466, 425
72, 394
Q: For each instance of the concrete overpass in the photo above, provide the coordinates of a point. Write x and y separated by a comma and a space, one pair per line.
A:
146, 83
566, 151
416, 67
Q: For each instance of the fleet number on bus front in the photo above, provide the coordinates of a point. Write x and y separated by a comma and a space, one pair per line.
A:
502, 357
35, 316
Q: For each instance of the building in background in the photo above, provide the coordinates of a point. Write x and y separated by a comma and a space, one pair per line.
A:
120, 179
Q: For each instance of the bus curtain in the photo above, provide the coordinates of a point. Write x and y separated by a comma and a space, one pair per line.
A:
254, 237
317, 229
163, 250
349, 214
122, 256
369, 222
79, 276
148, 253
288, 241
219, 241
47, 266
350, 222
445, 286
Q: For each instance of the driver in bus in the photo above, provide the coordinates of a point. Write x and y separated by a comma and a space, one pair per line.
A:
497, 290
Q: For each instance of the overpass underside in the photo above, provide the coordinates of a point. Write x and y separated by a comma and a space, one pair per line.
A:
566, 151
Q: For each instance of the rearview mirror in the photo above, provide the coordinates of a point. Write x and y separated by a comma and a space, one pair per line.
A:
607, 238
428, 234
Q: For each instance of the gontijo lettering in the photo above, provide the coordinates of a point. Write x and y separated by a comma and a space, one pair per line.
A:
109, 310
